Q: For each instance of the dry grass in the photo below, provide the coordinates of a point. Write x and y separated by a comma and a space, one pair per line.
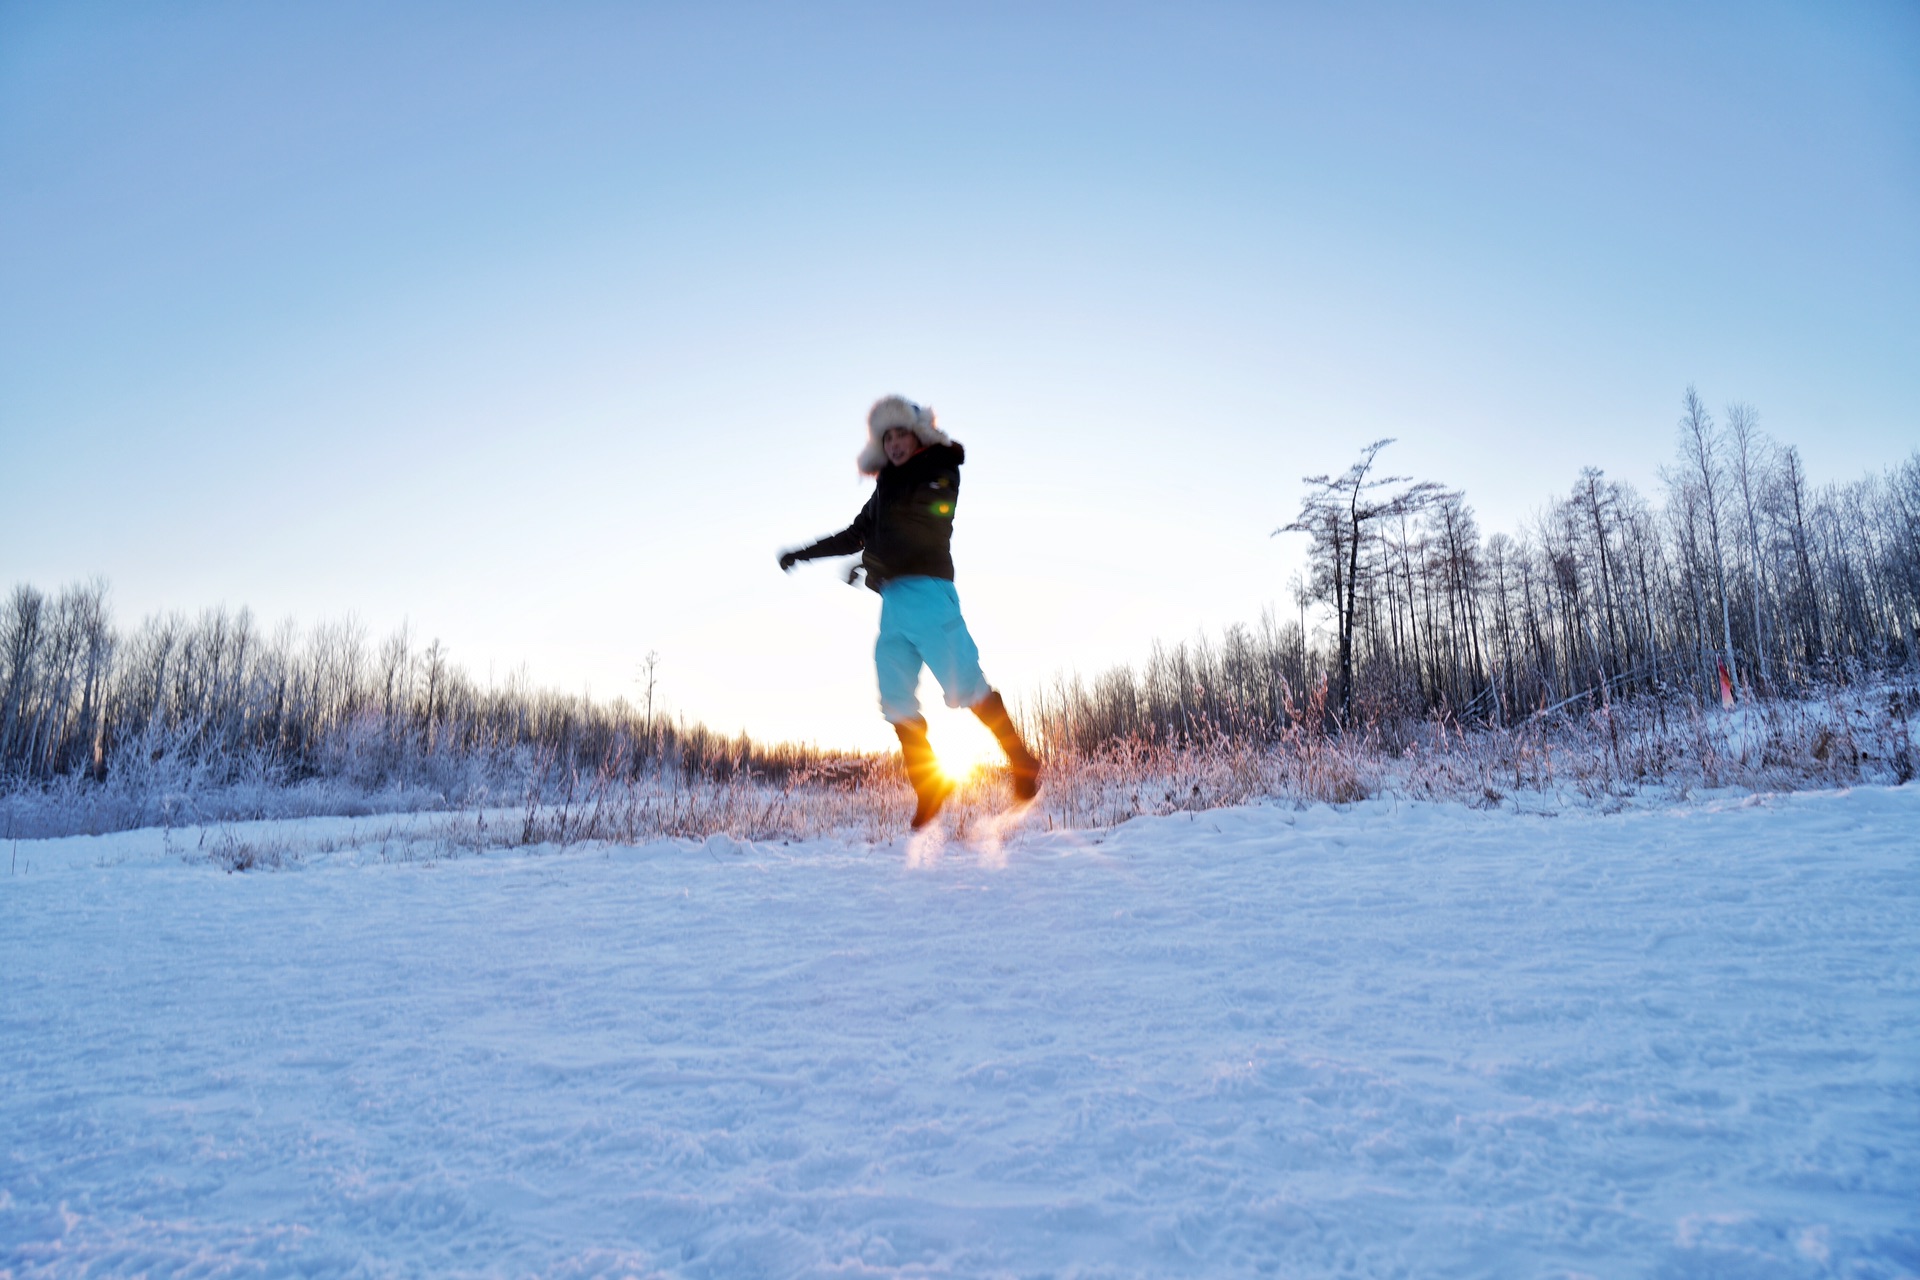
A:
1617, 752
1608, 758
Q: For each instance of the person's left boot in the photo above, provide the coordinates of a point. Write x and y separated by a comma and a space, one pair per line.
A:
1020, 761
930, 787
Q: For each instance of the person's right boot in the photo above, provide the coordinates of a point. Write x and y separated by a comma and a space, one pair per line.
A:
1020, 761
930, 787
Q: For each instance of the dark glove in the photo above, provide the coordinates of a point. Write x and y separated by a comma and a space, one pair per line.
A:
787, 560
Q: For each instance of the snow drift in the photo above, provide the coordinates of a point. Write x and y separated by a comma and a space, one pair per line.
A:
1378, 1040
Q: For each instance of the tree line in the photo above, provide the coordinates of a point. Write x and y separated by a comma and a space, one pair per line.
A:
1739, 580
223, 701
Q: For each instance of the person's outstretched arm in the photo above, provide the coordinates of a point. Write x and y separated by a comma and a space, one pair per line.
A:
844, 543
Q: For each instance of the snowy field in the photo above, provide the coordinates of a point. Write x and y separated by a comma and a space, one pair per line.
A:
1389, 1039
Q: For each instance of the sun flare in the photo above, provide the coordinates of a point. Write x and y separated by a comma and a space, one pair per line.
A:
961, 745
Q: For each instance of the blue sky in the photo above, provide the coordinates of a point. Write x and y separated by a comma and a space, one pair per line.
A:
544, 330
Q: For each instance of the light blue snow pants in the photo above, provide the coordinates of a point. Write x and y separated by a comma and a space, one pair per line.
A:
920, 622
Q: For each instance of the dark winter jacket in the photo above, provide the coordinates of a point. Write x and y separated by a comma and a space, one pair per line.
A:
906, 528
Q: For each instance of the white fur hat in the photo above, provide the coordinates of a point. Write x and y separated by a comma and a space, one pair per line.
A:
896, 411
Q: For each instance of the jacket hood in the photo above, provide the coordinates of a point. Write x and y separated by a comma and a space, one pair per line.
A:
896, 411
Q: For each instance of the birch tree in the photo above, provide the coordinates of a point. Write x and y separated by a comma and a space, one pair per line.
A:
1702, 468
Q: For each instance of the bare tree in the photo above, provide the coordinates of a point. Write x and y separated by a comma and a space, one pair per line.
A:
1700, 455
1794, 489
434, 670
1749, 449
1336, 514
1903, 544
649, 668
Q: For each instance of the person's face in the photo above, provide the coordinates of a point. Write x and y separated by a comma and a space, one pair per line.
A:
900, 444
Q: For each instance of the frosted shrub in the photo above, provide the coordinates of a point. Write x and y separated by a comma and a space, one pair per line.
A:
1606, 756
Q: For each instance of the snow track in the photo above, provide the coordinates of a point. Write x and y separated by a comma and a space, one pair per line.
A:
1385, 1040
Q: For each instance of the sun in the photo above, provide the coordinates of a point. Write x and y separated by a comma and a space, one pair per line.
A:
961, 745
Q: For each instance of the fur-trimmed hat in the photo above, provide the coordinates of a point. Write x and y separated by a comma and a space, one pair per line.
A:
896, 411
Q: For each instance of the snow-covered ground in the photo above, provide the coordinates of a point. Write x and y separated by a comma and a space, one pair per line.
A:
1390, 1039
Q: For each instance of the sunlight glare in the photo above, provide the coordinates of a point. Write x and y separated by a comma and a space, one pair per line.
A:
961, 744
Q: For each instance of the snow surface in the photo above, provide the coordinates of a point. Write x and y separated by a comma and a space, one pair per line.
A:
1387, 1039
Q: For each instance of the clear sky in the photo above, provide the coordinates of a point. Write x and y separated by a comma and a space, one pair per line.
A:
543, 328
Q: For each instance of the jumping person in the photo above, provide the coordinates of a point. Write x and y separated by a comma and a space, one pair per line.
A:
904, 535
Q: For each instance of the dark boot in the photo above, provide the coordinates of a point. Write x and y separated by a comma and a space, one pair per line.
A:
1020, 762
930, 787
